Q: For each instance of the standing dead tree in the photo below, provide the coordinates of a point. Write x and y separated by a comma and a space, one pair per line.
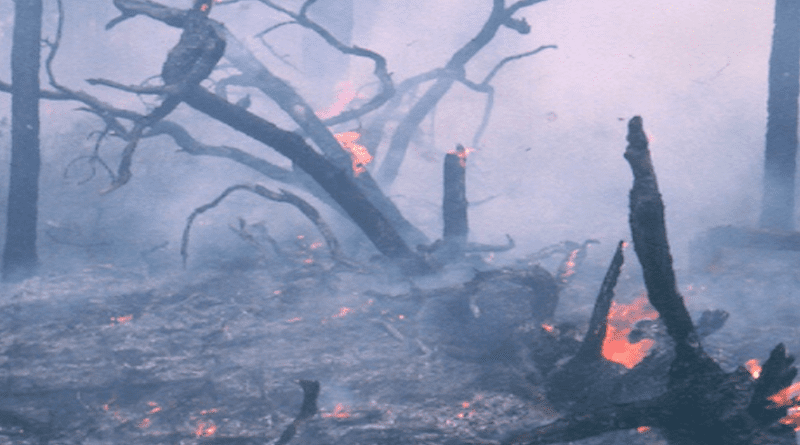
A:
701, 404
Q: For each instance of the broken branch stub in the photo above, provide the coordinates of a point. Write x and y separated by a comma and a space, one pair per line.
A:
650, 242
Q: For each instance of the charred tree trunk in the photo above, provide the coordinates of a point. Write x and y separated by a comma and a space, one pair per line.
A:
19, 254
454, 204
777, 211
335, 181
701, 404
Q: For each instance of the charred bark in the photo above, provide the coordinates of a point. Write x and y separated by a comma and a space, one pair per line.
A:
19, 253
777, 206
454, 204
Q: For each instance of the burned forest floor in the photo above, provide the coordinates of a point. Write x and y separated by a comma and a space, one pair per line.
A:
111, 356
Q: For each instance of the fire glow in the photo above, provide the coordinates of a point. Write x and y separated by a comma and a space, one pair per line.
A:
358, 153
462, 155
621, 320
753, 367
339, 412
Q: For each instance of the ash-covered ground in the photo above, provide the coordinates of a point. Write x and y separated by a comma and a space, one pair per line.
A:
110, 356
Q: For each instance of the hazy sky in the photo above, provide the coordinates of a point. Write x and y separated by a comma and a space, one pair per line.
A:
552, 157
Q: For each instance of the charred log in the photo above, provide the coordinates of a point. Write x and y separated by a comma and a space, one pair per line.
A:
700, 404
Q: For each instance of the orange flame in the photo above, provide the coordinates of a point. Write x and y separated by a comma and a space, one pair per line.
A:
205, 429
339, 412
462, 155
643, 429
753, 367
358, 153
549, 328
789, 396
621, 319
342, 312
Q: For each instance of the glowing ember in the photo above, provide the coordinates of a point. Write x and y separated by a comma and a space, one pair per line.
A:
205, 429
145, 423
569, 265
549, 328
643, 429
345, 94
621, 319
315, 245
121, 320
339, 412
753, 367
358, 153
462, 155
342, 312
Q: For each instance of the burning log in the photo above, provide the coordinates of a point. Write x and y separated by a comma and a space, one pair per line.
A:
700, 403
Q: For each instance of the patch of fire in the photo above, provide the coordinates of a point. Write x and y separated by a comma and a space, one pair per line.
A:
622, 318
358, 153
340, 411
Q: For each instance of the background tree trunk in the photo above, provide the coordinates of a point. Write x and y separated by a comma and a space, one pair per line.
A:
777, 211
19, 254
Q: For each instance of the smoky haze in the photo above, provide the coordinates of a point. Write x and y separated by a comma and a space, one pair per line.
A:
549, 167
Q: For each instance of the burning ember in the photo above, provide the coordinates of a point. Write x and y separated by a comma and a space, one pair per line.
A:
342, 312
339, 412
462, 153
358, 153
205, 429
753, 367
621, 320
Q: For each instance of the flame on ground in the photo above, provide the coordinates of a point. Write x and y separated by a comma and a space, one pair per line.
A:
621, 319
339, 412
358, 153
205, 429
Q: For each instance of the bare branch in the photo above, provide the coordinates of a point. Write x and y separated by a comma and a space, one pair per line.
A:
380, 71
307, 209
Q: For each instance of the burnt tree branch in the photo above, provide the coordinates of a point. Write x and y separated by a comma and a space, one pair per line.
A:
307, 209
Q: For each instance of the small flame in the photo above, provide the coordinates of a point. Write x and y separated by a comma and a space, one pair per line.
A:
787, 396
569, 266
548, 327
621, 319
205, 429
339, 412
462, 153
792, 418
753, 367
145, 423
343, 312
122, 319
358, 153
643, 429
